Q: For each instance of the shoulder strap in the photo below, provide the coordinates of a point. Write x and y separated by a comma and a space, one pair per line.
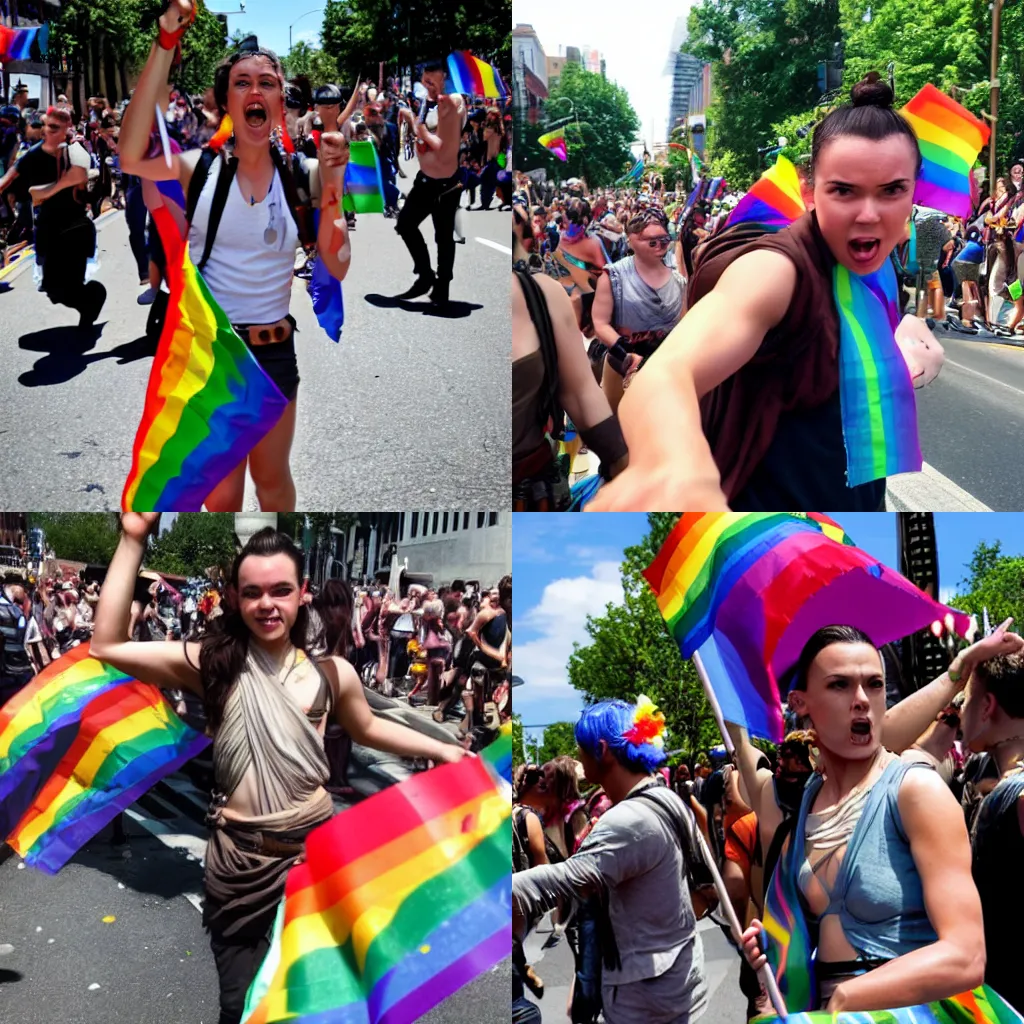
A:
295, 203
538, 308
220, 199
199, 176
681, 825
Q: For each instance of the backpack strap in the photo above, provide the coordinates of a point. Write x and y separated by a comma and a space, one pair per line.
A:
538, 309
220, 199
301, 211
199, 176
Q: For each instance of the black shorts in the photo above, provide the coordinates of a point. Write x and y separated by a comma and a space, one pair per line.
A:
278, 361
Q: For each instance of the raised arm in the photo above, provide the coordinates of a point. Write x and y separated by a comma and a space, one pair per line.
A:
671, 465
164, 665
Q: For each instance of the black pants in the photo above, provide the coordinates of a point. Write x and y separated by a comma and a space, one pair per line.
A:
237, 964
65, 256
488, 183
438, 199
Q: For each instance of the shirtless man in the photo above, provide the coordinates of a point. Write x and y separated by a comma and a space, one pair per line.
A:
437, 189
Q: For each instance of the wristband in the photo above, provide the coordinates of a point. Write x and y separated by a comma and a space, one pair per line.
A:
169, 40
954, 675
617, 355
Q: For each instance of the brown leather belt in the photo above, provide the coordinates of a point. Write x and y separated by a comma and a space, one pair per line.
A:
259, 842
265, 334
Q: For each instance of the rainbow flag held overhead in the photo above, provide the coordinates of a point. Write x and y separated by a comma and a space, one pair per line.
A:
475, 77
498, 754
39, 723
17, 43
747, 590
208, 402
773, 200
555, 141
364, 186
950, 138
401, 901
129, 739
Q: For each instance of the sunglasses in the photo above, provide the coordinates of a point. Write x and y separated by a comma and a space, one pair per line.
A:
658, 243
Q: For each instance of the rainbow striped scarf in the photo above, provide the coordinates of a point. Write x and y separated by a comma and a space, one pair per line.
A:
875, 388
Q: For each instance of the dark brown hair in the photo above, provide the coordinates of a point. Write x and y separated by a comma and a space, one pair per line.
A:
566, 785
868, 116
226, 644
334, 604
825, 637
222, 75
1003, 677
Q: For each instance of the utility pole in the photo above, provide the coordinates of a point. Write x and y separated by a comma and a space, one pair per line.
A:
997, 16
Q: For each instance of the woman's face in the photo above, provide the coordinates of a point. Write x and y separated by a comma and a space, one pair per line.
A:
845, 699
656, 232
269, 596
255, 99
863, 194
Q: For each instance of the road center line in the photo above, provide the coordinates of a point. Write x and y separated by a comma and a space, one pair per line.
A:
494, 245
984, 376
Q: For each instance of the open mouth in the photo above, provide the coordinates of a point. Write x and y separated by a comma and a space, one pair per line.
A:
271, 623
860, 732
864, 250
255, 115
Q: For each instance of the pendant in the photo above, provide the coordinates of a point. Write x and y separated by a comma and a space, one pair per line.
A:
270, 236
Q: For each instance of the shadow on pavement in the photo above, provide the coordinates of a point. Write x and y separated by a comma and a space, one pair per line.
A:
7, 977
452, 311
65, 351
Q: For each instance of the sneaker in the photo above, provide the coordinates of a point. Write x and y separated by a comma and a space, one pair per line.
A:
422, 285
96, 295
147, 297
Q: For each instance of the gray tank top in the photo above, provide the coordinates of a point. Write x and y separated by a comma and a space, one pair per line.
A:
648, 314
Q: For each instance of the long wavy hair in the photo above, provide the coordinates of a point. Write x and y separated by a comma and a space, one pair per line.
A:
226, 644
334, 604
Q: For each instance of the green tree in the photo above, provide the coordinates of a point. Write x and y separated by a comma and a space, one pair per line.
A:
532, 745
195, 542
559, 740
518, 752
994, 581
631, 652
315, 64
79, 536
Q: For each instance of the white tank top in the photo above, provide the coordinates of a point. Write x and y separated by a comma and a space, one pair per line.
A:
249, 278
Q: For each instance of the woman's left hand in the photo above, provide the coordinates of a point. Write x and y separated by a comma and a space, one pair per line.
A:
334, 153
450, 754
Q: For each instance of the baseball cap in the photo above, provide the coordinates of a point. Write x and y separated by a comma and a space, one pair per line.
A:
327, 95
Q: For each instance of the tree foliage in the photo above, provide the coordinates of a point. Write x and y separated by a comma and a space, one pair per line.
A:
631, 652
79, 536
518, 752
195, 542
994, 581
315, 64
559, 739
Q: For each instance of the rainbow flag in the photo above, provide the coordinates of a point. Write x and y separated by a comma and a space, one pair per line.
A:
555, 141
364, 186
950, 138
38, 724
402, 900
208, 403
876, 391
747, 590
773, 200
475, 77
17, 43
129, 739
499, 753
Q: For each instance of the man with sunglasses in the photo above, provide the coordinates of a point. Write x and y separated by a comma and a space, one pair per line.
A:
639, 301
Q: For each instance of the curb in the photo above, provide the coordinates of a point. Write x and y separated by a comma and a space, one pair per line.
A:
928, 491
29, 257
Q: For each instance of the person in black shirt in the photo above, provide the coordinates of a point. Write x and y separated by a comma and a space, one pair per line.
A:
54, 171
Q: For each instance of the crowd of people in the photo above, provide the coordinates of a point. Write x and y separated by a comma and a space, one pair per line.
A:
646, 276
288, 150
273, 671
897, 825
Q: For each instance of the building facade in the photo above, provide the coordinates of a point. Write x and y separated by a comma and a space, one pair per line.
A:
527, 55
688, 80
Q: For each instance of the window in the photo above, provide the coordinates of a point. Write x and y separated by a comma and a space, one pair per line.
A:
415, 523
480, 520
455, 522
401, 527
444, 523
436, 515
465, 521
492, 518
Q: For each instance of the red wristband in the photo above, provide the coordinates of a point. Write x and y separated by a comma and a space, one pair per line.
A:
169, 40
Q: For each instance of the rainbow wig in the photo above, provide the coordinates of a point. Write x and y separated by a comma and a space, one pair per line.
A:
624, 727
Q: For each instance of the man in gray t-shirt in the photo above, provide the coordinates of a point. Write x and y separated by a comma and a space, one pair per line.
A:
633, 856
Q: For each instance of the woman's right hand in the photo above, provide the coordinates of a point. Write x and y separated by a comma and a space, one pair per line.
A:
137, 526
749, 941
638, 489
178, 13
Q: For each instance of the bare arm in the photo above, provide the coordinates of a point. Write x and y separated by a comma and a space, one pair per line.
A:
73, 177
353, 714
934, 823
358, 91
164, 665
603, 310
8, 179
535, 836
670, 459
483, 617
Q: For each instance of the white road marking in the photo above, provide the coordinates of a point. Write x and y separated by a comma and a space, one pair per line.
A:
192, 845
494, 245
984, 376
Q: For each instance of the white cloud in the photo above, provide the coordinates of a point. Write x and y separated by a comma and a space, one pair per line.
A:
560, 618
311, 37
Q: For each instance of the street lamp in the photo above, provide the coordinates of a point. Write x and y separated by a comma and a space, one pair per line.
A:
319, 10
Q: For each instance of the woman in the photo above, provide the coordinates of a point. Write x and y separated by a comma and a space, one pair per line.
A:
250, 268
438, 645
579, 261
550, 372
267, 705
639, 301
741, 403
884, 867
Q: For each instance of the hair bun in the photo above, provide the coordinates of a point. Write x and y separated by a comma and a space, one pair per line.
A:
872, 91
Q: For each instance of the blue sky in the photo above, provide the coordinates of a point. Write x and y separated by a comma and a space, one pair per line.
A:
268, 20
566, 566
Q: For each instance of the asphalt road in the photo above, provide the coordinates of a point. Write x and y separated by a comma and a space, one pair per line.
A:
409, 401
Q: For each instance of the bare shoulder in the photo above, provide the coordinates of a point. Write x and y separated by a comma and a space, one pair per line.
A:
924, 798
340, 673
187, 163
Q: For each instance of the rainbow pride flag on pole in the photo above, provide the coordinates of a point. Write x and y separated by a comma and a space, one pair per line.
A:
555, 142
950, 138
773, 200
208, 403
475, 77
364, 186
402, 900
17, 43
129, 739
747, 590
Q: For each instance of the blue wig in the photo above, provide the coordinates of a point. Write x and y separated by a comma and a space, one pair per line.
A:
608, 721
